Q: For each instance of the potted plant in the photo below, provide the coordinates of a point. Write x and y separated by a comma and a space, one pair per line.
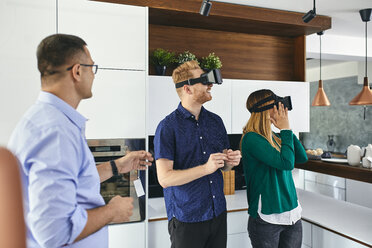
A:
161, 58
211, 62
185, 56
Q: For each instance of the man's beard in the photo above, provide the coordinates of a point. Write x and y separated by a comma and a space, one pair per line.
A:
202, 97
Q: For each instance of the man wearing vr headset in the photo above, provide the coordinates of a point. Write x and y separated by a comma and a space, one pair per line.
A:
191, 146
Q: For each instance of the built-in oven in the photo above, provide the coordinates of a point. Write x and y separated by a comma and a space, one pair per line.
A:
105, 150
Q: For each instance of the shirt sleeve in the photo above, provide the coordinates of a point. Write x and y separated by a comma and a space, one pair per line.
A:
300, 153
164, 142
55, 217
263, 151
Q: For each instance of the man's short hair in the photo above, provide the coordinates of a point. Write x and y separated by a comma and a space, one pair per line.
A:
182, 72
57, 50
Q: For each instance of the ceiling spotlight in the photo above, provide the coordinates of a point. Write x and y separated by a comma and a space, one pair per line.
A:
205, 8
309, 15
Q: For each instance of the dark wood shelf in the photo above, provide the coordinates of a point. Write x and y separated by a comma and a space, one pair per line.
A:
253, 43
229, 17
358, 173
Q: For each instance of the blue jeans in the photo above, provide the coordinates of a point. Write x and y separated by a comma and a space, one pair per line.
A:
267, 235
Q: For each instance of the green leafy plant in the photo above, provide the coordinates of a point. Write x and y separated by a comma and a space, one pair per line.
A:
162, 57
185, 56
210, 62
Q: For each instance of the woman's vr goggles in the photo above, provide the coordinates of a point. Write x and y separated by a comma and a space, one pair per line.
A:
286, 101
211, 77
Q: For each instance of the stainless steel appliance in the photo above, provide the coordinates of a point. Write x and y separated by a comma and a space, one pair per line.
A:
105, 150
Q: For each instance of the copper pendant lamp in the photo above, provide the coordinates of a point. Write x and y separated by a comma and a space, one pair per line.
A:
320, 98
365, 96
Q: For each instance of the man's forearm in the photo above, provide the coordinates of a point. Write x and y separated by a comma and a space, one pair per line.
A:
181, 177
97, 218
104, 171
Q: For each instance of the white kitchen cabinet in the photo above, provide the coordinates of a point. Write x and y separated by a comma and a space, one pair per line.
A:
321, 238
306, 234
23, 25
127, 235
116, 34
237, 233
163, 99
325, 184
158, 236
299, 117
359, 193
238, 240
117, 108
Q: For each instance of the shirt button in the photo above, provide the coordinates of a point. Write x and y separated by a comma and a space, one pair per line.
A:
204, 152
210, 181
201, 137
214, 197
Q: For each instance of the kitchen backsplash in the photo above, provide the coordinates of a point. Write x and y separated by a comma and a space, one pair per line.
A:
340, 119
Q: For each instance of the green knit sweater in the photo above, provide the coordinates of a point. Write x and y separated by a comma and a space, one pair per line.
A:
268, 172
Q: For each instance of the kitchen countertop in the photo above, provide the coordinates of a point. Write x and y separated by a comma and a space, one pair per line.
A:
358, 173
343, 218
236, 202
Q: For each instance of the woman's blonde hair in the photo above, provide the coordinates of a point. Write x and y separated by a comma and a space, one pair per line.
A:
259, 122
182, 73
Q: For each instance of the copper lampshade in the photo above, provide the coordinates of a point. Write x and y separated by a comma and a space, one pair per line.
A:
364, 97
320, 98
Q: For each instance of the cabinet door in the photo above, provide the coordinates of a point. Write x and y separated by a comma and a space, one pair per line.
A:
23, 25
323, 238
127, 235
238, 240
116, 34
117, 108
158, 236
299, 117
306, 234
163, 100
356, 192
221, 102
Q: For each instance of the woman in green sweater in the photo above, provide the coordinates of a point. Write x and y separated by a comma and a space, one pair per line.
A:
268, 161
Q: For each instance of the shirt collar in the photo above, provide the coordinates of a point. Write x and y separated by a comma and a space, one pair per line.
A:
186, 114
64, 107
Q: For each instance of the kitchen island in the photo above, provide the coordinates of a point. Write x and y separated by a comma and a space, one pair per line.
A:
327, 222
358, 173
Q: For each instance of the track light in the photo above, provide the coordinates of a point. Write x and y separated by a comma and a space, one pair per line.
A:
309, 15
205, 8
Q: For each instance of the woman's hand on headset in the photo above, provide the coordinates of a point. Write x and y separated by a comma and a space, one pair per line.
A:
280, 117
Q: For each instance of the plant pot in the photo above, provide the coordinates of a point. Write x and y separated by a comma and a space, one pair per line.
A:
160, 70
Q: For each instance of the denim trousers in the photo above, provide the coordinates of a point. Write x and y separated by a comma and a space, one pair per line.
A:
267, 235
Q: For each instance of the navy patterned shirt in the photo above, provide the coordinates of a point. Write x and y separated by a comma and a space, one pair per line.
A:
188, 143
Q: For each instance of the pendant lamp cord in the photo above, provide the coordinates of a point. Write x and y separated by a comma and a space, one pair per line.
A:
366, 49
320, 57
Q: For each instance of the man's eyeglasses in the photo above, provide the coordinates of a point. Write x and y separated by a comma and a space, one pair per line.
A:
94, 67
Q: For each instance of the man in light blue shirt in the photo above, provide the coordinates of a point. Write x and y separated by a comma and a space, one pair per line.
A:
61, 184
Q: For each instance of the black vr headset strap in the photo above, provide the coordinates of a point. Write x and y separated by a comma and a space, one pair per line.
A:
192, 81
258, 109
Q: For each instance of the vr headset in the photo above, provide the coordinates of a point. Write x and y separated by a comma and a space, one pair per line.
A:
211, 77
286, 101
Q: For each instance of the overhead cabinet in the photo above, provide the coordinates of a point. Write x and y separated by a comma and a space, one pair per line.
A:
117, 108
23, 25
116, 34
229, 101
